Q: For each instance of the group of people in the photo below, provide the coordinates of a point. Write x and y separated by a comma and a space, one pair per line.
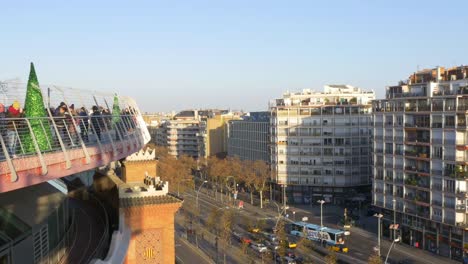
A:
69, 121
7, 125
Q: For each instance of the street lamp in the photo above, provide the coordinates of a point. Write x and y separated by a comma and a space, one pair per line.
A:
390, 249
294, 216
379, 216
321, 202
198, 192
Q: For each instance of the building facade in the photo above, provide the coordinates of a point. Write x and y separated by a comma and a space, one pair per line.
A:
217, 134
420, 160
36, 225
185, 135
249, 139
321, 142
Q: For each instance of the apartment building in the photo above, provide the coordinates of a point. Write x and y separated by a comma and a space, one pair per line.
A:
248, 138
321, 142
217, 133
420, 160
184, 135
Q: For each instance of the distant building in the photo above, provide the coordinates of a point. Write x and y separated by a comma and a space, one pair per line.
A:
217, 134
249, 139
185, 135
321, 142
420, 160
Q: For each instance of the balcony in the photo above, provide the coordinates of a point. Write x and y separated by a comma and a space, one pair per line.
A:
460, 208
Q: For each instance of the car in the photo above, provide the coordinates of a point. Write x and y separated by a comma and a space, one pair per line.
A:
285, 259
254, 230
288, 244
237, 235
246, 240
273, 245
269, 236
259, 247
295, 257
339, 248
406, 261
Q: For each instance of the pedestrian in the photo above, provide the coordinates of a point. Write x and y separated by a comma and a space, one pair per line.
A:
3, 121
96, 121
13, 124
84, 123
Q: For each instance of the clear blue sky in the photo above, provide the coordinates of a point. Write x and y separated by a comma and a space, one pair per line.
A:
172, 55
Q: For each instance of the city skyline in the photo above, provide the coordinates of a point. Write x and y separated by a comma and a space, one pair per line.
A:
174, 56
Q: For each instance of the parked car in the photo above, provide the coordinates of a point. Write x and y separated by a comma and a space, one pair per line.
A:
254, 230
288, 244
246, 240
259, 247
285, 260
237, 235
269, 236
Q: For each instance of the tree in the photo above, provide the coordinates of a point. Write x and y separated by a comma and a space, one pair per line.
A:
178, 172
262, 174
217, 171
248, 177
282, 237
331, 257
212, 221
226, 223
35, 112
374, 259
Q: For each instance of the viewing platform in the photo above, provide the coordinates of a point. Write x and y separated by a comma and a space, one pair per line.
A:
82, 130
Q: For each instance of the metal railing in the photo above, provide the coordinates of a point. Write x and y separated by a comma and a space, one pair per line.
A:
37, 136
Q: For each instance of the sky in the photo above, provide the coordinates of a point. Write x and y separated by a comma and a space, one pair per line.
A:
175, 55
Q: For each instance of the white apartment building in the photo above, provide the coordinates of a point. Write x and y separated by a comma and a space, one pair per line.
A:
321, 142
420, 160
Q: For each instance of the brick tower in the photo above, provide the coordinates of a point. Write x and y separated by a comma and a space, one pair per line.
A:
149, 211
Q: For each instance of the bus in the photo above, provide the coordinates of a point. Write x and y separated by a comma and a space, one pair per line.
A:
334, 238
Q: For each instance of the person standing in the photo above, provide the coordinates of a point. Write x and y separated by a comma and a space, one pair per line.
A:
13, 115
84, 123
96, 121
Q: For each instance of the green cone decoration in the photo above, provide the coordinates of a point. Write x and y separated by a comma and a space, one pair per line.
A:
115, 111
35, 111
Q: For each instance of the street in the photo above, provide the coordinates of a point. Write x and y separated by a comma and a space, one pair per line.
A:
360, 242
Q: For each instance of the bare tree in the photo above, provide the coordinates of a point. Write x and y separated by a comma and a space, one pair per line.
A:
261, 171
248, 177
282, 238
226, 223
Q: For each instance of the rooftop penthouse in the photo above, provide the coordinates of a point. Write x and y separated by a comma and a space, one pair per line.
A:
436, 82
331, 95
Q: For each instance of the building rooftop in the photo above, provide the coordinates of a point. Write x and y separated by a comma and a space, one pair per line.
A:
140, 201
151, 191
32, 204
